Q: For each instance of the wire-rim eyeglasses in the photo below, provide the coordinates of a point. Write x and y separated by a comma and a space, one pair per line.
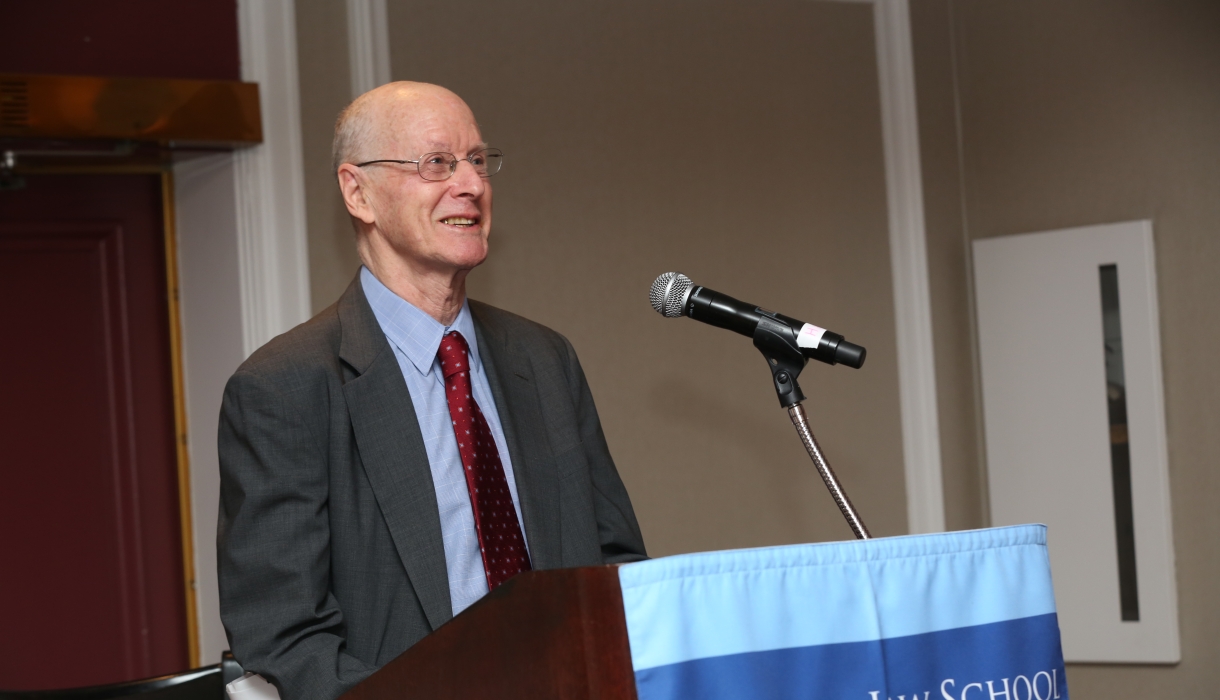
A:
439, 166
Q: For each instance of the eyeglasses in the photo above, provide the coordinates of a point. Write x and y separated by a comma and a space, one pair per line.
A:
436, 167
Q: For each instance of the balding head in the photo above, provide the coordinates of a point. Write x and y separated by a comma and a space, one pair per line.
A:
365, 130
412, 232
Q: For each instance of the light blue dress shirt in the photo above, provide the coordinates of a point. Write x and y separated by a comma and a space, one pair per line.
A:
415, 337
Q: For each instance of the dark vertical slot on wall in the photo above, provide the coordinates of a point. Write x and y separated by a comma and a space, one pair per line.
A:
1120, 449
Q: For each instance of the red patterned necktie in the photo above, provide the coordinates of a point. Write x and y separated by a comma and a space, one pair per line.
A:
495, 518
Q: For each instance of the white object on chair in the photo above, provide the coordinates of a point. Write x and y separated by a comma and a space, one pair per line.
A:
251, 686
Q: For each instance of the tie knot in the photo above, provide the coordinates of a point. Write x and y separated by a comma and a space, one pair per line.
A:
453, 354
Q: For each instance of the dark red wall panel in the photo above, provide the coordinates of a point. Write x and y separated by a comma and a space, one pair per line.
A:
133, 38
90, 547
90, 544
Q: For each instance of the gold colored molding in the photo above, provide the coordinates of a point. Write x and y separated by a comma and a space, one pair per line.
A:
180, 437
171, 113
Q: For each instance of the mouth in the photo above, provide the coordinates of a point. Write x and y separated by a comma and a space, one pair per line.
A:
461, 221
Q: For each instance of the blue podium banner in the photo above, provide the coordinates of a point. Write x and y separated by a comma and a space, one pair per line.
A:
955, 616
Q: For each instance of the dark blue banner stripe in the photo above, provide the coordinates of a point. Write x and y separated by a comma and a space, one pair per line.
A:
1013, 660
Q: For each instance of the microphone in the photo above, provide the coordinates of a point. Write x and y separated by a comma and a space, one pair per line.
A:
673, 295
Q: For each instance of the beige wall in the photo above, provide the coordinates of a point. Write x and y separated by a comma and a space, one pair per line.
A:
737, 142
1075, 113
627, 127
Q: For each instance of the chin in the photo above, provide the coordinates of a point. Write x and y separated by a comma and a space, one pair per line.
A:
469, 258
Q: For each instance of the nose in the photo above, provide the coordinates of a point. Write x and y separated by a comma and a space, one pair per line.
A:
465, 181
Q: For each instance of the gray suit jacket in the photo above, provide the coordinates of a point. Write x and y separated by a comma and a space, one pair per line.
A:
329, 542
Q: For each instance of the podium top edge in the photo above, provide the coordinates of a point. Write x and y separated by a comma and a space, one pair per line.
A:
830, 553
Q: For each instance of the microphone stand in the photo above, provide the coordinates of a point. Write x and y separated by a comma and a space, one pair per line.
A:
777, 343
797, 413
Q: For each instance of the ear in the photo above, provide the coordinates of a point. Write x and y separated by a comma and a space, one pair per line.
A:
355, 189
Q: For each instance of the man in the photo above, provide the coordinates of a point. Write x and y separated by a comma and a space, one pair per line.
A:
388, 462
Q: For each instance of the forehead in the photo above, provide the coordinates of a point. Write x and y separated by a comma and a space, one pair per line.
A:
422, 127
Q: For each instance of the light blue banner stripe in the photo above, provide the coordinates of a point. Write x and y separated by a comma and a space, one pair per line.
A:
696, 606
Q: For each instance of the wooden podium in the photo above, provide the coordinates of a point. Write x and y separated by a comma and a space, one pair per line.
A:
543, 634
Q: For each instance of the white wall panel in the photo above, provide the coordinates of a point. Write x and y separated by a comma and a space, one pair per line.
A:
1048, 430
209, 289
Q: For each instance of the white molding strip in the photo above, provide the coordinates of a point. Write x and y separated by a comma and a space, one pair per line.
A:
368, 44
909, 266
269, 183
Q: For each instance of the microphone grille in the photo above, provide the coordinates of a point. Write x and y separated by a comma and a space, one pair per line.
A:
669, 292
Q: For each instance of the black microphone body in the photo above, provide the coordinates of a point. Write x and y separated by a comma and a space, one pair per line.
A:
723, 311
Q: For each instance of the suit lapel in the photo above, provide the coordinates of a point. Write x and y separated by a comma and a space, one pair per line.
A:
511, 376
392, 451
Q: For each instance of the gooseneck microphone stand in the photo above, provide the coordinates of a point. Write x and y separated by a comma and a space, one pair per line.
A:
797, 413
778, 344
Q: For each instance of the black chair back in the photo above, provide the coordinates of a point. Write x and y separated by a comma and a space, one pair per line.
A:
207, 683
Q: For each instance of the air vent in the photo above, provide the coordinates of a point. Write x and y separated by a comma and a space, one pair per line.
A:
14, 104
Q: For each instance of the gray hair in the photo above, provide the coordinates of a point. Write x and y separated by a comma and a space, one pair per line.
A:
355, 129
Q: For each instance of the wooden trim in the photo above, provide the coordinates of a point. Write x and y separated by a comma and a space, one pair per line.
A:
180, 437
77, 168
221, 113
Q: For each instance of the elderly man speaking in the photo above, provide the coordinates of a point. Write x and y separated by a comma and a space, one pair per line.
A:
390, 461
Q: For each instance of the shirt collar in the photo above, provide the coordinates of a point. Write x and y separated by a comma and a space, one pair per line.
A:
416, 334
